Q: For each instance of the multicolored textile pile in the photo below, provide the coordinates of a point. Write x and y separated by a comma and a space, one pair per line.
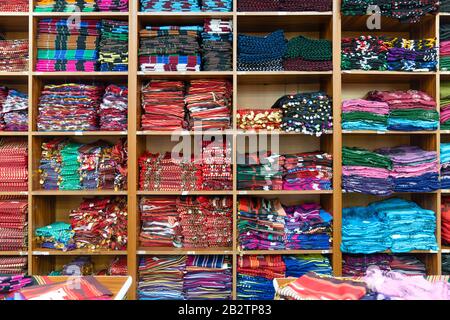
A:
216, 165
14, 55
58, 235
65, 6
298, 265
113, 112
357, 265
364, 53
285, 5
13, 110
445, 166
112, 5
13, 224
445, 105
113, 46
307, 54
361, 114
259, 119
13, 164
170, 6
260, 172
309, 113
444, 47
217, 45
217, 5
170, 48
13, 265
16, 6
445, 214
100, 223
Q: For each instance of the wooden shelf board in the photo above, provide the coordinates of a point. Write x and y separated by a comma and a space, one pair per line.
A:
184, 133
182, 251
77, 252
281, 133
184, 193
78, 193
389, 132
13, 134
13, 253
13, 74
81, 14
199, 74
80, 133
285, 13
184, 14
14, 14
13, 193
275, 252
80, 73
282, 192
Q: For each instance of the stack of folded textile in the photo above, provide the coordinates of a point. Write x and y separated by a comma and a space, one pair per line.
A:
308, 171
309, 113
62, 47
100, 223
70, 176
296, 266
161, 172
69, 107
356, 265
409, 265
364, 53
445, 166
113, 112
285, 5
14, 55
444, 47
112, 5
258, 5
90, 158
395, 224
217, 5
360, 114
217, 45
259, 119
13, 224
16, 6
255, 276
58, 235
444, 6
367, 172
209, 104
161, 277
405, 11
216, 165
261, 53
446, 262
113, 47
10, 282
409, 110
13, 111
260, 172
445, 105
118, 267
170, 5
413, 169
412, 55
13, 164
305, 54
207, 278
13, 265
160, 222
163, 103
170, 48
261, 224
50, 163
65, 6
307, 227
445, 213
119, 161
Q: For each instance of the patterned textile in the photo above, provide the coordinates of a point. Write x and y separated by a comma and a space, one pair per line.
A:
13, 164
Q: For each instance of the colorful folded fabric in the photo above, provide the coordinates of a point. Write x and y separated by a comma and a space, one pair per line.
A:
169, 6
445, 105
16, 6
444, 46
112, 5
118, 267
13, 224
14, 55
260, 172
285, 5
113, 111
217, 45
14, 265
13, 110
357, 265
13, 164
58, 235
113, 46
259, 119
360, 114
364, 53
65, 6
306, 54
10, 282
217, 5
445, 223
216, 167
446, 264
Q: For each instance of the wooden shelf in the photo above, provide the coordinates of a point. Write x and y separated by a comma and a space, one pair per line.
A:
183, 251
13, 134
388, 132
287, 252
13, 193
79, 133
184, 133
185, 193
13, 253
77, 252
78, 193
286, 13
82, 14
80, 73
282, 192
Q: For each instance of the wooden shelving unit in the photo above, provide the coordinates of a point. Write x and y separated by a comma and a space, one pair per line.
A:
250, 90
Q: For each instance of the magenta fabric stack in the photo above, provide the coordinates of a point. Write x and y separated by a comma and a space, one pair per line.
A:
13, 224
13, 164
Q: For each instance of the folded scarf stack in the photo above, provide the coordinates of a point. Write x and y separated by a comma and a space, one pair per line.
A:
261, 224
285, 5
13, 224
446, 264
367, 172
217, 45
405, 11
413, 169
207, 277
16, 6
13, 164
113, 112
395, 224
13, 265
445, 105
118, 267
360, 114
259, 119
261, 53
305, 54
444, 47
296, 266
113, 47
445, 166
307, 227
163, 103
65, 6
170, 6
217, 5
50, 163
260, 173
216, 165
161, 172
100, 223
255, 276
209, 104
70, 176
357, 265
364, 53
206, 222
62, 47
412, 55
14, 55
161, 277
308, 171
69, 107
10, 282
160, 222
409, 110
112, 5
58, 235
445, 228
13, 110
170, 48
309, 113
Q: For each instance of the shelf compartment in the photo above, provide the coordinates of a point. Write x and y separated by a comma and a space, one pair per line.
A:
283, 252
